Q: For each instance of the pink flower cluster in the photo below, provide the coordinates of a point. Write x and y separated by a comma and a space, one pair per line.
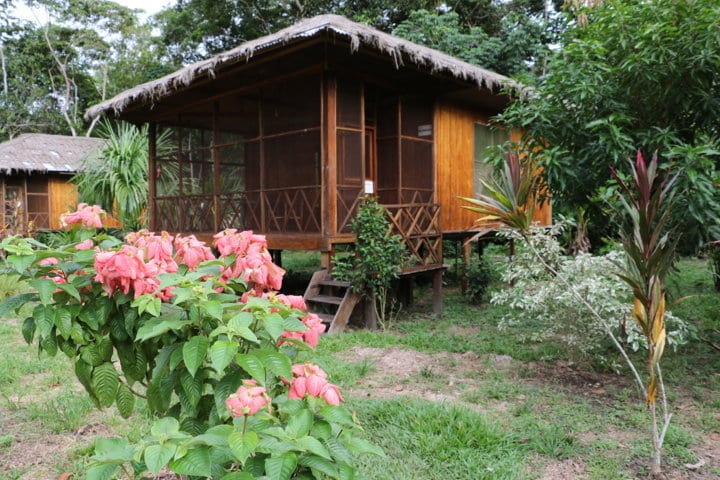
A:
309, 379
253, 263
311, 336
56, 275
126, 269
86, 215
136, 265
247, 400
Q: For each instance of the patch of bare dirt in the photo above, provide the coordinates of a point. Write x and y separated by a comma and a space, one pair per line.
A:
571, 468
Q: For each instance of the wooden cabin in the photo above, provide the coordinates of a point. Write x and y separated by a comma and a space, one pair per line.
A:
35, 170
284, 134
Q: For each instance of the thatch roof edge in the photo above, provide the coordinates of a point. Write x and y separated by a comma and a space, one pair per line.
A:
358, 34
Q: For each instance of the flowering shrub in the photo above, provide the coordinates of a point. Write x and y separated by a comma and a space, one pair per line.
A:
206, 341
556, 310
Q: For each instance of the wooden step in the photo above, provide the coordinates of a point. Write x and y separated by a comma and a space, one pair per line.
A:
326, 317
328, 299
334, 283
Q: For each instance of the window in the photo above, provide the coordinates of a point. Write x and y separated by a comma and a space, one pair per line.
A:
485, 137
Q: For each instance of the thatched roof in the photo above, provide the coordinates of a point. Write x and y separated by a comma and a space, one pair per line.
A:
39, 152
399, 50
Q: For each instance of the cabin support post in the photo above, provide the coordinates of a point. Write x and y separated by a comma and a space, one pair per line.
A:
437, 292
369, 313
152, 174
467, 258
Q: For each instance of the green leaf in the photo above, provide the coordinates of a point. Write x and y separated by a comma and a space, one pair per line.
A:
254, 366
195, 462
226, 386
44, 317
337, 415
157, 456
91, 354
338, 451
20, 262
113, 450
192, 386
276, 362
132, 360
222, 353
117, 328
70, 289
105, 383
238, 476
281, 467
314, 446
105, 471
243, 445
293, 324
299, 424
125, 401
241, 320
345, 471
194, 352
158, 326
11, 304
83, 372
165, 428
320, 464
49, 345
359, 446
214, 309
321, 429
63, 322
216, 436
45, 287
28, 329
275, 325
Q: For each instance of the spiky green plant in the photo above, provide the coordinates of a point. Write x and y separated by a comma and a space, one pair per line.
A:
117, 177
650, 252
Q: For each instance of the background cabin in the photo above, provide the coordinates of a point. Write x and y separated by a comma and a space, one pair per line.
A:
284, 134
34, 173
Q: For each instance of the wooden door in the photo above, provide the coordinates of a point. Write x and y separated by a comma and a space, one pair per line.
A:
371, 156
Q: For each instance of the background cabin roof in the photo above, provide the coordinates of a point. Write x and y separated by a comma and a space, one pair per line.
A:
39, 152
398, 50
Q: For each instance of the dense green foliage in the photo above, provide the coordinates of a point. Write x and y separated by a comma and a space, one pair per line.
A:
638, 75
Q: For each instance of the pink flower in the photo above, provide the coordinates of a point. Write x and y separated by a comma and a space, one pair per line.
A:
311, 336
126, 270
48, 261
310, 379
86, 215
331, 394
253, 263
247, 400
157, 248
85, 245
191, 251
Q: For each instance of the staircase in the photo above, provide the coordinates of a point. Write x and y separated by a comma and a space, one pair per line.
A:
332, 300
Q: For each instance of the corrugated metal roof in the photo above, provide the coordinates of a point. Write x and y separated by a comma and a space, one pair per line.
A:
40, 152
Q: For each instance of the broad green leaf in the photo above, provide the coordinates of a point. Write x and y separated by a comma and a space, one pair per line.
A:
20, 262
158, 326
105, 349
45, 288
359, 446
216, 436
337, 415
276, 362
243, 445
157, 456
196, 462
44, 320
90, 318
63, 322
214, 309
194, 352
293, 324
83, 372
314, 446
299, 424
281, 467
192, 386
125, 401
222, 353
70, 289
338, 451
321, 429
181, 294
241, 320
105, 383
28, 329
226, 386
11, 304
49, 345
238, 476
91, 354
254, 366
105, 471
165, 428
275, 325
113, 450
132, 360
117, 328
322, 465
346, 471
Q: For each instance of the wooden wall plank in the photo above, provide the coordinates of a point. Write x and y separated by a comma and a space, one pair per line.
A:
63, 197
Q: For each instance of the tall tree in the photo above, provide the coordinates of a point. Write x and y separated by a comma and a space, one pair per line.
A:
634, 74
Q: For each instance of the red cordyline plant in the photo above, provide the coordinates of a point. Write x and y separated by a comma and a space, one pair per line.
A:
205, 341
649, 249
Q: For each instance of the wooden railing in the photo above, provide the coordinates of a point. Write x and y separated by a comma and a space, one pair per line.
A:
419, 226
280, 210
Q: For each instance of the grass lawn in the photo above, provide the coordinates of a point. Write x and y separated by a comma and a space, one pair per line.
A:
450, 398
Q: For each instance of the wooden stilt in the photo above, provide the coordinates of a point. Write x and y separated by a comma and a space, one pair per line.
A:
467, 256
369, 312
437, 292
